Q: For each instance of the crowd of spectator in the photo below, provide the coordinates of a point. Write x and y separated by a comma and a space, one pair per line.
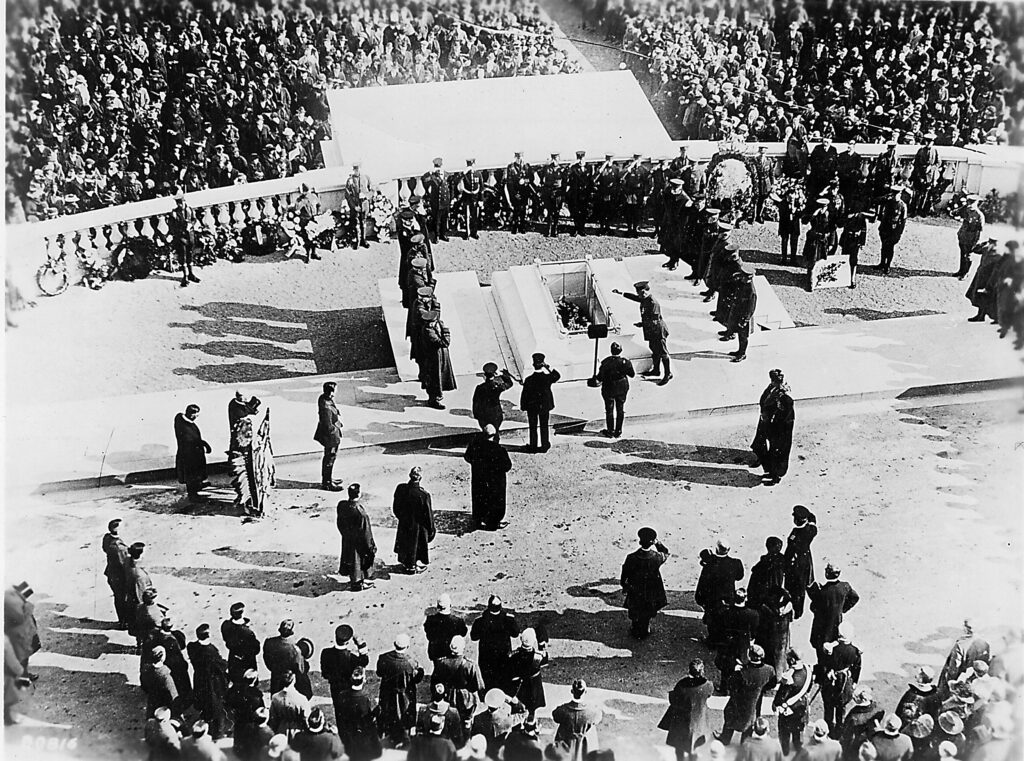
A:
860, 69
111, 103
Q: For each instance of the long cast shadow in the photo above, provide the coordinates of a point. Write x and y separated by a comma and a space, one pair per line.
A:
697, 474
650, 449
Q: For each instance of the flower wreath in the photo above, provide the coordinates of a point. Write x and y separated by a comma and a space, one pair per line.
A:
741, 198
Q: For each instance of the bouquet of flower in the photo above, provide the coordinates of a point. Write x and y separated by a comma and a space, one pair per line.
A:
570, 315
95, 270
229, 245
382, 212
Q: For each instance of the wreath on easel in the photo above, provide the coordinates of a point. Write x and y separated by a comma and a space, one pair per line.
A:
731, 184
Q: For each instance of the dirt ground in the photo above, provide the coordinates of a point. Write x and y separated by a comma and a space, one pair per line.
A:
273, 318
919, 504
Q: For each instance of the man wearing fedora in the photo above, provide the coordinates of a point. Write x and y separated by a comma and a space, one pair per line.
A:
972, 223
642, 583
613, 377
747, 686
241, 641
890, 743
716, 588
538, 401
760, 746
487, 396
399, 673
829, 602
820, 747
654, 329
860, 723
921, 697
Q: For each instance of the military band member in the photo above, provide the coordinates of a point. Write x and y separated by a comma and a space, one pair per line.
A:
470, 189
892, 218
924, 176
518, 188
971, 225
552, 185
438, 196
606, 186
358, 194
655, 330
579, 185
634, 190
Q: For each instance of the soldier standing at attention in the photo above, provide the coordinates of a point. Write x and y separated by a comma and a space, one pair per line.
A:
579, 183
606, 183
892, 218
551, 181
971, 225
470, 189
439, 199
655, 331
613, 378
517, 192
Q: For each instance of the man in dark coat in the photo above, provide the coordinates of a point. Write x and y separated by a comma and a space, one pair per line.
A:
606, 186
849, 166
436, 373
437, 193
249, 714
181, 224
487, 396
687, 720
136, 581
764, 178
829, 601
716, 588
740, 318
852, 240
892, 218
339, 662
356, 717
890, 743
158, 684
552, 183
821, 237
318, 742
823, 164
241, 641
579, 182
441, 626
117, 555
415, 531
494, 630
432, 746
921, 697
211, 681
768, 574
972, 222
613, 378
799, 562
738, 625
655, 331
190, 460
983, 290
642, 584
328, 435
399, 673
924, 176
470, 188
538, 401
462, 680
282, 656
358, 549
489, 464
747, 687
837, 673
518, 189
173, 643
789, 225
773, 439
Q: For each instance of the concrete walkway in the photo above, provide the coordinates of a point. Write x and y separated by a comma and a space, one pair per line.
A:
132, 437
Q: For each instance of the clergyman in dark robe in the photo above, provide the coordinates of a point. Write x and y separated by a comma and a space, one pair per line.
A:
490, 463
210, 683
415, 514
190, 461
358, 549
773, 439
641, 581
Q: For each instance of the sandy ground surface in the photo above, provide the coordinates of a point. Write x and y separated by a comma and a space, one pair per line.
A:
919, 504
275, 318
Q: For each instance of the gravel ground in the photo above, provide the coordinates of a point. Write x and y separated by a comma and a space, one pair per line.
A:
912, 501
275, 318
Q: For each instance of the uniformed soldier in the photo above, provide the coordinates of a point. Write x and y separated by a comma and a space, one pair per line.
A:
655, 330
182, 225
518, 188
660, 189
606, 187
892, 218
706, 234
357, 193
855, 235
764, 178
634, 192
306, 211
579, 182
971, 225
678, 164
438, 196
552, 183
671, 236
884, 172
850, 166
470, 189
487, 396
723, 259
613, 378
924, 176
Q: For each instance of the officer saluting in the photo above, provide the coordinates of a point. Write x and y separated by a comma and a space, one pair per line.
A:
655, 331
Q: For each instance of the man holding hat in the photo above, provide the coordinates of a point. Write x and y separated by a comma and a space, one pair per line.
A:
339, 661
399, 673
470, 188
654, 328
613, 377
355, 714
281, 654
892, 219
358, 194
241, 642
577, 723
487, 396
642, 584
860, 723
924, 176
972, 222
162, 736
358, 549
820, 747
210, 683
494, 630
829, 601
438, 199
746, 686
415, 514
579, 184
318, 742
117, 557
538, 401
552, 182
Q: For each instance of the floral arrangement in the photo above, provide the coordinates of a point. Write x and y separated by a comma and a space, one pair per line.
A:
571, 316
997, 208
95, 270
137, 257
730, 176
382, 212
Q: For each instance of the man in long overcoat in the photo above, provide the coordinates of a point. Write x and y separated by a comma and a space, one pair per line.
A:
415, 516
117, 556
773, 439
716, 587
355, 714
328, 435
461, 678
437, 192
241, 641
799, 562
829, 601
210, 681
190, 460
358, 549
892, 219
982, 291
399, 673
436, 373
440, 626
282, 656
686, 719
538, 401
642, 584
739, 320
489, 463
747, 687
655, 330
768, 575
136, 581
494, 630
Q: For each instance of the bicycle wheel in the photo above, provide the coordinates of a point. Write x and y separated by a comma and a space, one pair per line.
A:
52, 278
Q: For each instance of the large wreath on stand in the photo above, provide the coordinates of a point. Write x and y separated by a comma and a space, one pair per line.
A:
730, 183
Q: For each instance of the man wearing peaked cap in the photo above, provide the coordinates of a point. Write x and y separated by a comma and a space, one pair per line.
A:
655, 331
137, 581
437, 197
552, 192
606, 189
972, 223
579, 186
487, 396
116, 552
740, 298
892, 219
538, 401
829, 602
470, 187
642, 583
